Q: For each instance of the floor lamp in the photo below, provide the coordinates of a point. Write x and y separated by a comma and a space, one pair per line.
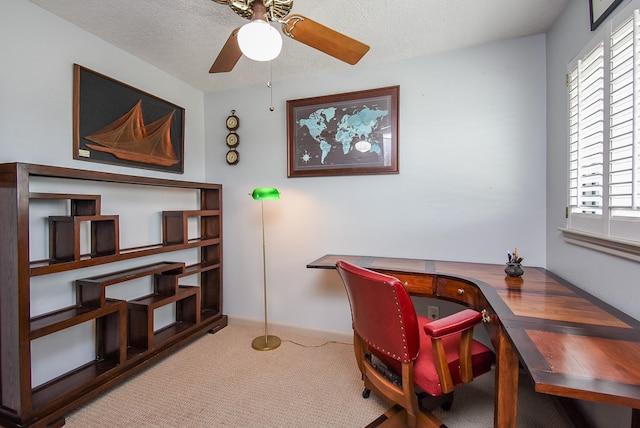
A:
265, 342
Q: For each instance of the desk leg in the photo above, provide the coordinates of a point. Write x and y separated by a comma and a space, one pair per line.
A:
635, 418
506, 399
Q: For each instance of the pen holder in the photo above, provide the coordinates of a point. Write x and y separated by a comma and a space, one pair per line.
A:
514, 270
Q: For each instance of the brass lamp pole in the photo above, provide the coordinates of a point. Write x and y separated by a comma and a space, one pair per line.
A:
265, 342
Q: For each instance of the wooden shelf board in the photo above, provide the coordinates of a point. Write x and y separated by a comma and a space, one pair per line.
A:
199, 267
138, 272
134, 351
192, 213
171, 331
72, 381
69, 196
52, 322
205, 314
157, 300
90, 175
82, 218
45, 267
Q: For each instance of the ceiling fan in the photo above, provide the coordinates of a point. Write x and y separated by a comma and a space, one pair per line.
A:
297, 27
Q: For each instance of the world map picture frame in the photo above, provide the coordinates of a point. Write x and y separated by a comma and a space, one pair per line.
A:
352, 133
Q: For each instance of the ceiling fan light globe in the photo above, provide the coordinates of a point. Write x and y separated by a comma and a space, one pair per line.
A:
259, 41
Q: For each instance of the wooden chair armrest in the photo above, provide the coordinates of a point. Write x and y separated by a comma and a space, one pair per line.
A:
461, 322
453, 323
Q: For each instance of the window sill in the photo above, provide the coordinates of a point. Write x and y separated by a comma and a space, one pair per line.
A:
617, 247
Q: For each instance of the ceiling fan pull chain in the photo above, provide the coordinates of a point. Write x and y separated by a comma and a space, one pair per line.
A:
270, 85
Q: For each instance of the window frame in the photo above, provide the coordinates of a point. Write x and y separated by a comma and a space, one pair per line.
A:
615, 235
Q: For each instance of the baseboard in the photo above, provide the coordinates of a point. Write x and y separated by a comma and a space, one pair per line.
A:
302, 331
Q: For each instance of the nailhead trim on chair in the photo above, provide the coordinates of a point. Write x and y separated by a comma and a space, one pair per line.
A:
404, 337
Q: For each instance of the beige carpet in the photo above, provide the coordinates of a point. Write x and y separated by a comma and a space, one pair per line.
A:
220, 381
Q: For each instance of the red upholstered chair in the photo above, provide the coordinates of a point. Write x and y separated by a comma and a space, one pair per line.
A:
422, 356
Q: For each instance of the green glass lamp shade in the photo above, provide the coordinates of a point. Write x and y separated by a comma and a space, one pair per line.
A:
265, 193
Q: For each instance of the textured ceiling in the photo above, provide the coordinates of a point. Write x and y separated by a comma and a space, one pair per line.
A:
183, 37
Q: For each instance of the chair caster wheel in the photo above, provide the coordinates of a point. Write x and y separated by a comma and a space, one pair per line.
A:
366, 393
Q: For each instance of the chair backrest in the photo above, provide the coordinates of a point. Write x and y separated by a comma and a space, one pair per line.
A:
382, 312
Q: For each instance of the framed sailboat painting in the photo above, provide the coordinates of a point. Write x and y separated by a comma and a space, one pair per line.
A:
118, 124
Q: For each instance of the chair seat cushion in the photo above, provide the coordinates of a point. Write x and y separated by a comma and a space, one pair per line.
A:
424, 372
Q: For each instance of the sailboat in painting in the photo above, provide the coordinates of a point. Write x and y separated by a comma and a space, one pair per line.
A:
128, 138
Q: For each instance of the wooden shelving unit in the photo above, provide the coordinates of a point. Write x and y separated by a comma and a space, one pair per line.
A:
126, 340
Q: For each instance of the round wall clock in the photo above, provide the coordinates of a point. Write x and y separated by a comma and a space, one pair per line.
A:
233, 140
233, 122
232, 157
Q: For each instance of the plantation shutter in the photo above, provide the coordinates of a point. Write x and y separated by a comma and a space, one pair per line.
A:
586, 133
624, 164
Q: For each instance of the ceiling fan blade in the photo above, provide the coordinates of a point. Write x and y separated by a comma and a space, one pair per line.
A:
324, 39
229, 55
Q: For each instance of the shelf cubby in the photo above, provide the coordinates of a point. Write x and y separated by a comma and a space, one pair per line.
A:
65, 231
80, 205
175, 225
141, 316
72, 384
110, 347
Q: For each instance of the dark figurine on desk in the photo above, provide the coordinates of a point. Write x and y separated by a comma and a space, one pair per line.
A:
513, 264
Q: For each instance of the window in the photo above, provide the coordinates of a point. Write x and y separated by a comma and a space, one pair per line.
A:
603, 87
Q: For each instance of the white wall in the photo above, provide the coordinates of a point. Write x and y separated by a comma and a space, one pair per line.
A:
471, 183
610, 278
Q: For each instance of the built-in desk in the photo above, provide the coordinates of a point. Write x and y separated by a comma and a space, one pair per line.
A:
572, 344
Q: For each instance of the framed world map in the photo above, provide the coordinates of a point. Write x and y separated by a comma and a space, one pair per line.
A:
352, 133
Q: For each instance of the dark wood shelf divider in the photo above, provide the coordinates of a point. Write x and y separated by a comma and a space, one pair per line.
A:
125, 339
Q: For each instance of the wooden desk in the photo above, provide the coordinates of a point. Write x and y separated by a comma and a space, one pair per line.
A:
572, 344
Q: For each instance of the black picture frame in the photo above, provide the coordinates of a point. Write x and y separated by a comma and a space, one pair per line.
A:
599, 10
333, 147
117, 124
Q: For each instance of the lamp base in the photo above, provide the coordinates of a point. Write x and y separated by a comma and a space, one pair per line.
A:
265, 343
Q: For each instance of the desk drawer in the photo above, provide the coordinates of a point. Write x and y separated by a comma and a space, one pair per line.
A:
458, 291
417, 284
